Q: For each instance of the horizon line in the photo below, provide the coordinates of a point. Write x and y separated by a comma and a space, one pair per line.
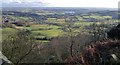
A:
59, 7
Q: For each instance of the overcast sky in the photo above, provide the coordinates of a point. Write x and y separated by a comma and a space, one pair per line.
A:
72, 3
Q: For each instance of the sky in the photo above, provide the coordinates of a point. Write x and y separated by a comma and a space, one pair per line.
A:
69, 3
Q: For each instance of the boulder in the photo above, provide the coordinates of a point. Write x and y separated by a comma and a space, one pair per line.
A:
114, 33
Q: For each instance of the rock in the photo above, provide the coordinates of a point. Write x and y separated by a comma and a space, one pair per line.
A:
3, 59
114, 33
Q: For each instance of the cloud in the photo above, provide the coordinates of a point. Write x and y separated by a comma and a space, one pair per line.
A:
70, 3
24, 3
10, 1
84, 3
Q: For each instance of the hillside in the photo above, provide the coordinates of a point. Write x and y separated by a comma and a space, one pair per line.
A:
103, 52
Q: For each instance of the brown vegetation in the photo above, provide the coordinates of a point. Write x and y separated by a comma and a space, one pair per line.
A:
98, 53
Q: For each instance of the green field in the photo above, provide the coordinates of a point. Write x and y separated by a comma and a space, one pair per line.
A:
51, 24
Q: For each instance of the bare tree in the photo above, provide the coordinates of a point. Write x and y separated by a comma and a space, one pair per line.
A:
16, 47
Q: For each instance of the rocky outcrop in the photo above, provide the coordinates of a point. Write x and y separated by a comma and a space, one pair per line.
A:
4, 60
114, 33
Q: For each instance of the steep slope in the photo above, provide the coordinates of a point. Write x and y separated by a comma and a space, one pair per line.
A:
103, 52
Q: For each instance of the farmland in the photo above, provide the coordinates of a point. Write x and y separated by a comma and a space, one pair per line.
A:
49, 24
